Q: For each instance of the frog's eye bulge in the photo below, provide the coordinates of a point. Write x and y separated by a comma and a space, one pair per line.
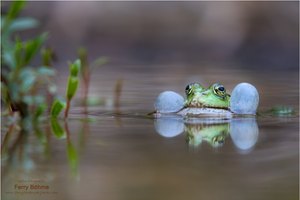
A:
219, 89
191, 87
188, 89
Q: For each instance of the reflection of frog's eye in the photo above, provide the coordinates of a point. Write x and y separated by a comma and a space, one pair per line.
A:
189, 138
219, 90
218, 140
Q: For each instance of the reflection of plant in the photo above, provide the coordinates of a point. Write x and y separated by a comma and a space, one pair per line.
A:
21, 83
71, 152
14, 149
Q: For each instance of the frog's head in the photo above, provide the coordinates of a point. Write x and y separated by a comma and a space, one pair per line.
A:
213, 97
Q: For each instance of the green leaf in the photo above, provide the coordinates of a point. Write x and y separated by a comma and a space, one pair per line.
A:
57, 107
8, 58
2, 21
52, 88
47, 56
33, 100
15, 9
13, 12
28, 99
23, 24
72, 87
75, 68
4, 93
99, 62
82, 53
39, 111
39, 99
32, 47
95, 101
18, 53
57, 130
45, 71
14, 91
28, 78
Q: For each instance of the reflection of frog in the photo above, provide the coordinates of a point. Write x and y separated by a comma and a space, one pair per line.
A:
243, 131
214, 134
213, 97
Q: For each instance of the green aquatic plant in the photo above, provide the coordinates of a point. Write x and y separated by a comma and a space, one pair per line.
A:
57, 107
281, 111
22, 83
86, 70
47, 56
72, 85
117, 91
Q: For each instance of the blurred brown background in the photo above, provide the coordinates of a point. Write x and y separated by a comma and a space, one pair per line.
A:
256, 34
156, 46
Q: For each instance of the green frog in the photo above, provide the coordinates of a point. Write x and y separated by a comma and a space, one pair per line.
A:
215, 101
214, 96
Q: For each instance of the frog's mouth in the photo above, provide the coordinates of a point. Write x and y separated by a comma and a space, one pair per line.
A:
202, 105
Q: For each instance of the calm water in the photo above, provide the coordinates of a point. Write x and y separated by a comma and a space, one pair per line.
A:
128, 155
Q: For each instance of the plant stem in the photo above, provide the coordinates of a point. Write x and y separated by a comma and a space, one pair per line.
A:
118, 90
67, 108
86, 92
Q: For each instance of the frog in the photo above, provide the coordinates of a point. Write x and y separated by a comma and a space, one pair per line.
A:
215, 101
215, 96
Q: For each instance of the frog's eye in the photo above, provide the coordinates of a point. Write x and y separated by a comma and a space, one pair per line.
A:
189, 88
219, 90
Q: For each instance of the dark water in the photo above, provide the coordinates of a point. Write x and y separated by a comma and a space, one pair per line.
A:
126, 154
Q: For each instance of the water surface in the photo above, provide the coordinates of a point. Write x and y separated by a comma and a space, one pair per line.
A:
121, 154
